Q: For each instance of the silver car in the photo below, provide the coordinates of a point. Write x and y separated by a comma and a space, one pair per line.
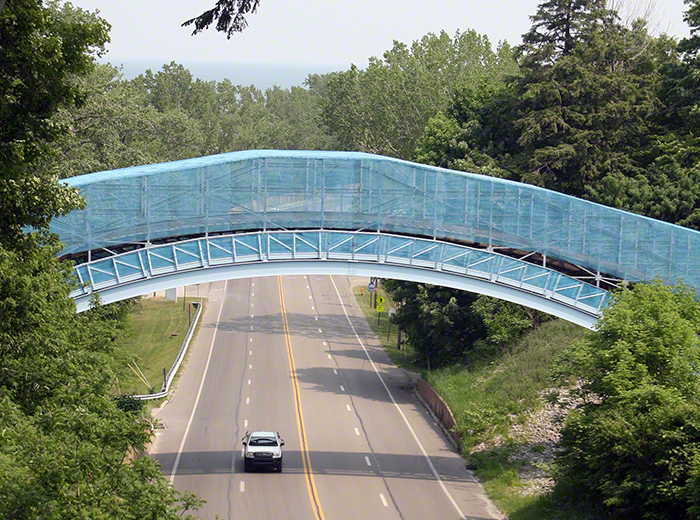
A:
262, 449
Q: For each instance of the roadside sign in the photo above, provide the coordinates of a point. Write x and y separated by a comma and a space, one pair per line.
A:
380, 300
371, 286
380, 307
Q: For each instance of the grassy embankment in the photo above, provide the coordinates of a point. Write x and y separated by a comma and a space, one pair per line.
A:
159, 330
488, 398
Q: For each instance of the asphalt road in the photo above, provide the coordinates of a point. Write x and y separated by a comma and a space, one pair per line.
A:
295, 355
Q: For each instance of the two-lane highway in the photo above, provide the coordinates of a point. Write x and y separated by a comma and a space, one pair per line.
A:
294, 354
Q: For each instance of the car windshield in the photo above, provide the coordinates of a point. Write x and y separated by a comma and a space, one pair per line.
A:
262, 441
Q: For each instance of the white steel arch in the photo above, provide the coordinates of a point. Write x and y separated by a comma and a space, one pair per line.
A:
308, 252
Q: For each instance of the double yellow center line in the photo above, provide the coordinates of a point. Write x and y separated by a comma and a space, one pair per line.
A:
310, 484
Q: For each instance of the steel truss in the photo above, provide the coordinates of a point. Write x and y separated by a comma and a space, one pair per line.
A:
332, 252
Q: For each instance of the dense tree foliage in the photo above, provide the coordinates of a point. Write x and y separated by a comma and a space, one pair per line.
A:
67, 450
169, 115
41, 49
634, 446
384, 109
599, 110
438, 321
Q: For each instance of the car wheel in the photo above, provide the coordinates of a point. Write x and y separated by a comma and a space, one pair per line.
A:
279, 468
246, 466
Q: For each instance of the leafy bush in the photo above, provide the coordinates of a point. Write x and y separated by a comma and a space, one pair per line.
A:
634, 448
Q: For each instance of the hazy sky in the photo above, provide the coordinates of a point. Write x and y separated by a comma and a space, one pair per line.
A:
330, 32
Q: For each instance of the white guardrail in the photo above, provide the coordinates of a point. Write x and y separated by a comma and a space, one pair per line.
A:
178, 361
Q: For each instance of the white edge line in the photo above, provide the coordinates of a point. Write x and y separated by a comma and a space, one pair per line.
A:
403, 416
199, 393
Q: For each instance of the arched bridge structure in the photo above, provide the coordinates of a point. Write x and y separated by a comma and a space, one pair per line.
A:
258, 213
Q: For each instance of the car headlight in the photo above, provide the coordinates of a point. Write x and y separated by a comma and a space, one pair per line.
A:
249, 455
276, 455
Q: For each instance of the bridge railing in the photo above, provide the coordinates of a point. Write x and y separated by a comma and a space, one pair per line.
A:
365, 247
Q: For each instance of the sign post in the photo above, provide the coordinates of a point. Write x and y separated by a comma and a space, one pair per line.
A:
380, 308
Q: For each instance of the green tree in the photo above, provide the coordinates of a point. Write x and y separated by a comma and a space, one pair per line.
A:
42, 50
66, 447
438, 321
504, 321
385, 108
633, 447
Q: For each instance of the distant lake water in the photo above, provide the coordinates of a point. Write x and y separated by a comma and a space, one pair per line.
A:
262, 76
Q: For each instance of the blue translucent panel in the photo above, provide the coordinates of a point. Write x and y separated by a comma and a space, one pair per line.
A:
306, 242
304, 190
425, 252
247, 245
565, 287
188, 252
535, 276
161, 258
281, 243
399, 247
220, 249
341, 243
367, 245
129, 265
103, 271
512, 269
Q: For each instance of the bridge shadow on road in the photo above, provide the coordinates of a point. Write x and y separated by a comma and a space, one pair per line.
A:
332, 463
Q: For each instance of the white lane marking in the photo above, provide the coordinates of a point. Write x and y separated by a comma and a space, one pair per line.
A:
252, 315
357, 432
316, 318
250, 352
242, 487
329, 356
381, 496
252, 294
253, 284
367, 460
251, 327
252, 305
310, 298
335, 371
251, 339
250, 367
245, 423
320, 330
199, 394
348, 407
313, 308
342, 388
247, 400
403, 416
307, 286
248, 381
325, 344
